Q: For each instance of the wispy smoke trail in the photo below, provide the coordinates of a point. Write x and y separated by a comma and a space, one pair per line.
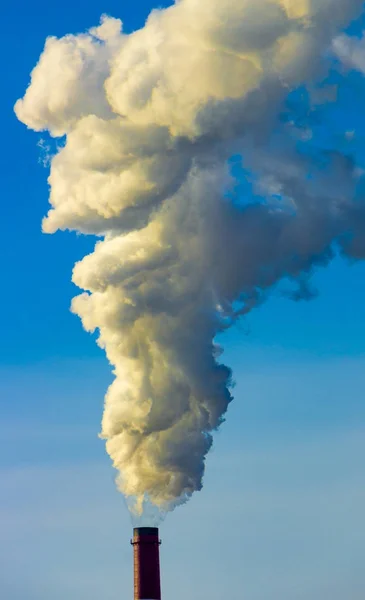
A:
152, 119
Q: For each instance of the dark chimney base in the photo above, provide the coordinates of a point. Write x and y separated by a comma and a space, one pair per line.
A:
146, 563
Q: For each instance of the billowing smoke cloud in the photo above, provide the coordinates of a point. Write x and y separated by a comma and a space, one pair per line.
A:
351, 51
151, 121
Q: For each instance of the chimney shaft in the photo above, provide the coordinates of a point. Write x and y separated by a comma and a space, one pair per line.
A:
146, 563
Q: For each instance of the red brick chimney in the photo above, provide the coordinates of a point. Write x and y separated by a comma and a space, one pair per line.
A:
146, 563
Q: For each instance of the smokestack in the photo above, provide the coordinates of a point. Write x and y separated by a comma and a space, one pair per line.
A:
146, 563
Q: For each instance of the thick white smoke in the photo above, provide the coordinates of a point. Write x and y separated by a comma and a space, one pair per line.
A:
151, 119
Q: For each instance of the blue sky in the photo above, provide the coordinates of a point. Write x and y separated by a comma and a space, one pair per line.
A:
281, 513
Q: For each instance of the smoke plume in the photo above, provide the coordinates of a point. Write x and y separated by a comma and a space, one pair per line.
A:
156, 125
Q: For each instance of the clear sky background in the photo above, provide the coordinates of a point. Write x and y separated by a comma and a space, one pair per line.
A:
281, 512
